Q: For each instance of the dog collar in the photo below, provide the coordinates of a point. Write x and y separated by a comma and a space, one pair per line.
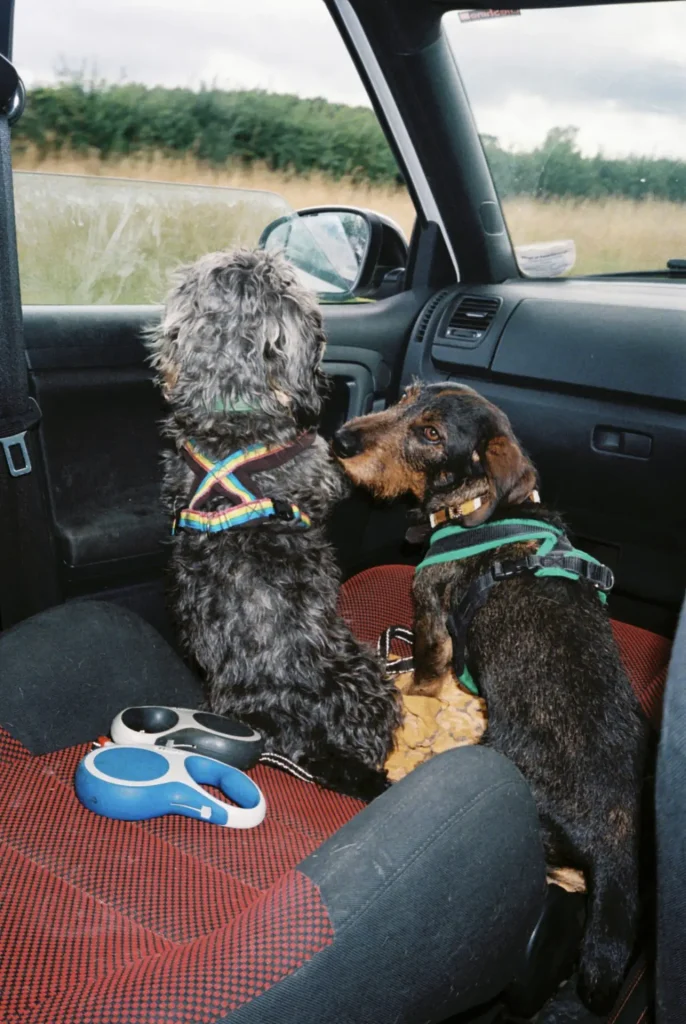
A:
232, 479
240, 405
455, 512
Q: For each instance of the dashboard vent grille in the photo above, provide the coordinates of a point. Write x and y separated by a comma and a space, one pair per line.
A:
472, 317
429, 311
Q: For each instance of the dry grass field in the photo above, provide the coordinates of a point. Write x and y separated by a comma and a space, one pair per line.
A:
106, 242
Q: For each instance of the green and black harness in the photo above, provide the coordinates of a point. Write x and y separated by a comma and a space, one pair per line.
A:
555, 556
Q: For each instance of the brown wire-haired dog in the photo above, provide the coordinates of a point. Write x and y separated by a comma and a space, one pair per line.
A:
560, 705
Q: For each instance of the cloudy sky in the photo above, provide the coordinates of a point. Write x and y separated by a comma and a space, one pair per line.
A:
619, 73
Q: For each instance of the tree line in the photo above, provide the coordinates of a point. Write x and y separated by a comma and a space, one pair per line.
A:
287, 133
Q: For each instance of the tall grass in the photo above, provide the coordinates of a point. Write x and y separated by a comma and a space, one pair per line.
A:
611, 235
89, 241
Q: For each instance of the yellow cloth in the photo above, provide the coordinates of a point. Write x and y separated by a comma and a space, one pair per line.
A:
434, 724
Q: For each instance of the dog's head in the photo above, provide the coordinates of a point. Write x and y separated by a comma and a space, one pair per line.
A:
444, 444
239, 331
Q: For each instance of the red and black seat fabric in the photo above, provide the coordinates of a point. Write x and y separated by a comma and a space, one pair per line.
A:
118, 921
165, 921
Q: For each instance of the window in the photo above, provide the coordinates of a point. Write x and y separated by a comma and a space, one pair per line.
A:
156, 131
582, 115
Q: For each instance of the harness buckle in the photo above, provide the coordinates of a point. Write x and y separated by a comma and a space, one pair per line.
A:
513, 567
606, 581
282, 510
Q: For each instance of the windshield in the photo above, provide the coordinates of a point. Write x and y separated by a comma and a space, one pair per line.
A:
582, 115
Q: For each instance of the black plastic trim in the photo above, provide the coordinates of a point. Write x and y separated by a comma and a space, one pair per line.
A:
630, 349
417, 62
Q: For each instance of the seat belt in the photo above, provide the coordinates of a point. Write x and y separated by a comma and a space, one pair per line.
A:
27, 558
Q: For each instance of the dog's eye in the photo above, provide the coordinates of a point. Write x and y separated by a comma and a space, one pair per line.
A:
431, 434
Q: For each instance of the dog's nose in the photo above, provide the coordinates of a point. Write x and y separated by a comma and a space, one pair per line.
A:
347, 443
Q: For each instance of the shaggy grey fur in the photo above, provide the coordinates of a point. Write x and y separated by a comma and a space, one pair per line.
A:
256, 606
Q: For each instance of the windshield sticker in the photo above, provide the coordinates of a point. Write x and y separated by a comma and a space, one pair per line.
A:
480, 15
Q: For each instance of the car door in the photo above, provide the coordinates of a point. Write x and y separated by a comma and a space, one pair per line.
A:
567, 314
101, 439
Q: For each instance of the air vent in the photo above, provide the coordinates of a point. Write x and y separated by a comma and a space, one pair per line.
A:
429, 311
472, 318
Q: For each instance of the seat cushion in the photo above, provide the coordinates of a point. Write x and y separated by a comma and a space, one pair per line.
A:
118, 921
381, 596
170, 920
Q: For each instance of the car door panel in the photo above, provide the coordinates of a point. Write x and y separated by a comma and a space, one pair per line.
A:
101, 439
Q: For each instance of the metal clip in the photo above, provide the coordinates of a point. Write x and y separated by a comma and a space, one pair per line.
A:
17, 441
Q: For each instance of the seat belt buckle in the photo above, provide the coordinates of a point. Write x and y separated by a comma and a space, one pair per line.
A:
17, 454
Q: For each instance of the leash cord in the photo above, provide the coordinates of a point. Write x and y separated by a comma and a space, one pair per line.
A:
286, 765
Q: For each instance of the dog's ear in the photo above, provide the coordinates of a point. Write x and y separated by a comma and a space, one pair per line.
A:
511, 476
293, 356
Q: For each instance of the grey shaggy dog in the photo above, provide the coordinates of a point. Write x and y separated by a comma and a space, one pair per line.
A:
255, 606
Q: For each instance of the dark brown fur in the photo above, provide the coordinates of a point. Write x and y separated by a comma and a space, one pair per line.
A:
560, 705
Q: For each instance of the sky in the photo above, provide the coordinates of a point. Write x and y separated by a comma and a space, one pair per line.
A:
617, 73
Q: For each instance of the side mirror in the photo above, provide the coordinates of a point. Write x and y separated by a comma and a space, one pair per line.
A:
341, 252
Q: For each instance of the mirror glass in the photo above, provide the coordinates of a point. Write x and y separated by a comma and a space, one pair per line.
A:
327, 247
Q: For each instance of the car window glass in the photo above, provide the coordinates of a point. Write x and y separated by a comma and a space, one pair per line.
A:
156, 131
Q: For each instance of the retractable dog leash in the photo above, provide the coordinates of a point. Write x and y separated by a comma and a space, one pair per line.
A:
160, 757
203, 733
136, 783
199, 732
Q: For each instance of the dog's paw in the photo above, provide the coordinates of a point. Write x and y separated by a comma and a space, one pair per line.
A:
598, 989
430, 686
567, 1008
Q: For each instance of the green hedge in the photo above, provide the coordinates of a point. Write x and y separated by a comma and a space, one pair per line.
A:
284, 132
557, 169
288, 133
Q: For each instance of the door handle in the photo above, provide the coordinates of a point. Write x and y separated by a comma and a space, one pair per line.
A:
613, 441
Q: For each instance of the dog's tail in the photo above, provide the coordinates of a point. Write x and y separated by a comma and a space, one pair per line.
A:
612, 921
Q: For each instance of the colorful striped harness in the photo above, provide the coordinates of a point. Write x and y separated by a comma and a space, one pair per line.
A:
232, 478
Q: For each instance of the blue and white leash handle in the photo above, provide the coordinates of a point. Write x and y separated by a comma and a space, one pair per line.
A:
135, 783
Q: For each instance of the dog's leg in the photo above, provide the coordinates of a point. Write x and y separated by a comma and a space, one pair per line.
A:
433, 647
611, 926
357, 710
433, 652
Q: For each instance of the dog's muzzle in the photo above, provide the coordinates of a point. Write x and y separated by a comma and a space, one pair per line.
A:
347, 443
